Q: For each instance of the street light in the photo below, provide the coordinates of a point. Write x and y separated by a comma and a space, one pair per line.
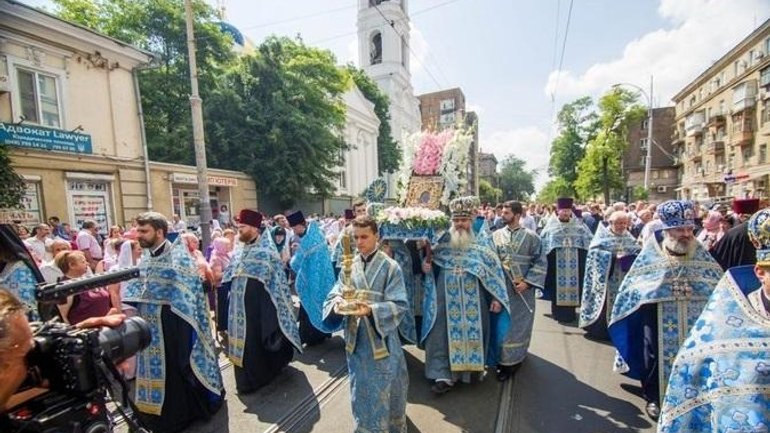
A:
648, 157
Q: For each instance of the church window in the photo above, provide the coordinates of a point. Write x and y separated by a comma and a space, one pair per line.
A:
375, 49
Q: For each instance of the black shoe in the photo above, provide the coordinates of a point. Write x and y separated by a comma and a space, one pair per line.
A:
440, 387
504, 372
653, 411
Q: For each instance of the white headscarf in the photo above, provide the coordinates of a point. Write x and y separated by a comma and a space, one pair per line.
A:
126, 256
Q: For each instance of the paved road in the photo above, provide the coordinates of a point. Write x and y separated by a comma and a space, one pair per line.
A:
566, 385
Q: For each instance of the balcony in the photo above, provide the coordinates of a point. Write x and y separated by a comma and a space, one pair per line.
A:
716, 121
744, 96
694, 155
716, 147
678, 161
677, 138
693, 124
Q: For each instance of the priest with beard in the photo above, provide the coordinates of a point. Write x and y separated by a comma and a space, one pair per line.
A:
610, 256
262, 327
735, 247
178, 379
660, 298
719, 381
470, 287
565, 242
521, 255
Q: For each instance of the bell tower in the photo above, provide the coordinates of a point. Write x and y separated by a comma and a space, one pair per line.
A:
383, 53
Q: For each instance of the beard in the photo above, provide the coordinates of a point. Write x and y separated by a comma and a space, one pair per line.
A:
679, 246
144, 243
460, 239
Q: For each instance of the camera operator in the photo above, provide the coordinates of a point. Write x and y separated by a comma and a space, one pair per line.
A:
16, 342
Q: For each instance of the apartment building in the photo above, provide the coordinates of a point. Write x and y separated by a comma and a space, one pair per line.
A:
723, 125
663, 181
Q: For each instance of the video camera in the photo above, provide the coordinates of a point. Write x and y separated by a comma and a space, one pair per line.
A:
76, 364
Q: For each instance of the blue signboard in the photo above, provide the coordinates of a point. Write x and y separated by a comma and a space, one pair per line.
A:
36, 137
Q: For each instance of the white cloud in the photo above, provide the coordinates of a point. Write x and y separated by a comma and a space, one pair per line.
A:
528, 143
702, 31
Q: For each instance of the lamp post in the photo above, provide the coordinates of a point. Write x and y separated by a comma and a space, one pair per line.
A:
648, 157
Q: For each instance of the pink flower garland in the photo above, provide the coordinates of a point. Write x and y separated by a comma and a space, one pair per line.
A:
427, 160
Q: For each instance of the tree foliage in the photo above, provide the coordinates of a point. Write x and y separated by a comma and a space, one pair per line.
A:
516, 182
577, 126
600, 171
278, 115
488, 193
158, 26
12, 192
555, 188
388, 152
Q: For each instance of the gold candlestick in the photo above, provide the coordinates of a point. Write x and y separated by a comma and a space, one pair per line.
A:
349, 305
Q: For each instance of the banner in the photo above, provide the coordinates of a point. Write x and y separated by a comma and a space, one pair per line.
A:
36, 137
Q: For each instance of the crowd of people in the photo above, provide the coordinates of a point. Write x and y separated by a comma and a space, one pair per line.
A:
656, 280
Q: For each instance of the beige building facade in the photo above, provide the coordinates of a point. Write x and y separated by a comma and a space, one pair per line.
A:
70, 113
722, 127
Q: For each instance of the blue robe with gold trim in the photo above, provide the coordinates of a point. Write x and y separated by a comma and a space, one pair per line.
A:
168, 296
19, 279
720, 380
456, 318
603, 275
665, 294
379, 379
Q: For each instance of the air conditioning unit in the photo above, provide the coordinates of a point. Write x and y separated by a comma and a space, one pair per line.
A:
662, 189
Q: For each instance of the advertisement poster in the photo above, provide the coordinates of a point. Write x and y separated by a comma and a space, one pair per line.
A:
90, 207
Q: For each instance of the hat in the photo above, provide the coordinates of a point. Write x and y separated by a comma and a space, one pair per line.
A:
759, 233
564, 203
349, 215
676, 213
250, 217
746, 205
464, 207
296, 218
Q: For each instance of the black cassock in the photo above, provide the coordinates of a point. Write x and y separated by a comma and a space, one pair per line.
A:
735, 248
560, 313
186, 399
266, 351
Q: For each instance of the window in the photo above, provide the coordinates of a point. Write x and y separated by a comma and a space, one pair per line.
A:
751, 57
447, 119
375, 49
655, 174
404, 52
645, 122
767, 47
764, 77
762, 153
643, 144
748, 152
642, 161
447, 105
735, 68
722, 107
666, 174
39, 98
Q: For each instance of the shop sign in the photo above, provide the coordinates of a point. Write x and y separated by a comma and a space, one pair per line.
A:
39, 138
29, 214
213, 180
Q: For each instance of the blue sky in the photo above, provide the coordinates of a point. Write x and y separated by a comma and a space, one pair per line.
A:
502, 53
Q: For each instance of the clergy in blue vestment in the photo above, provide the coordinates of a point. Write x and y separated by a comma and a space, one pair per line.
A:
610, 256
314, 279
18, 272
262, 328
376, 366
660, 298
524, 263
720, 380
309, 334
469, 285
408, 257
178, 379
565, 240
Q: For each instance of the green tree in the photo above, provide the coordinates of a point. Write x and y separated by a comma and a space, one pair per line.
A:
488, 193
577, 126
555, 188
388, 152
12, 192
600, 171
516, 182
278, 115
158, 26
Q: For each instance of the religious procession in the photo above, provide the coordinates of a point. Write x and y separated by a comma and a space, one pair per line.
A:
206, 226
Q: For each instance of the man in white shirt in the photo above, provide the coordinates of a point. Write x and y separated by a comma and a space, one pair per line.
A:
528, 221
179, 225
50, 271
38, 242
88, 244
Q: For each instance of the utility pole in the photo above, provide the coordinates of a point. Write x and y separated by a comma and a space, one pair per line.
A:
648, 158
196, 105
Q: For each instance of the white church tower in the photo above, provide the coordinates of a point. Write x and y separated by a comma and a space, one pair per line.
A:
383, 52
